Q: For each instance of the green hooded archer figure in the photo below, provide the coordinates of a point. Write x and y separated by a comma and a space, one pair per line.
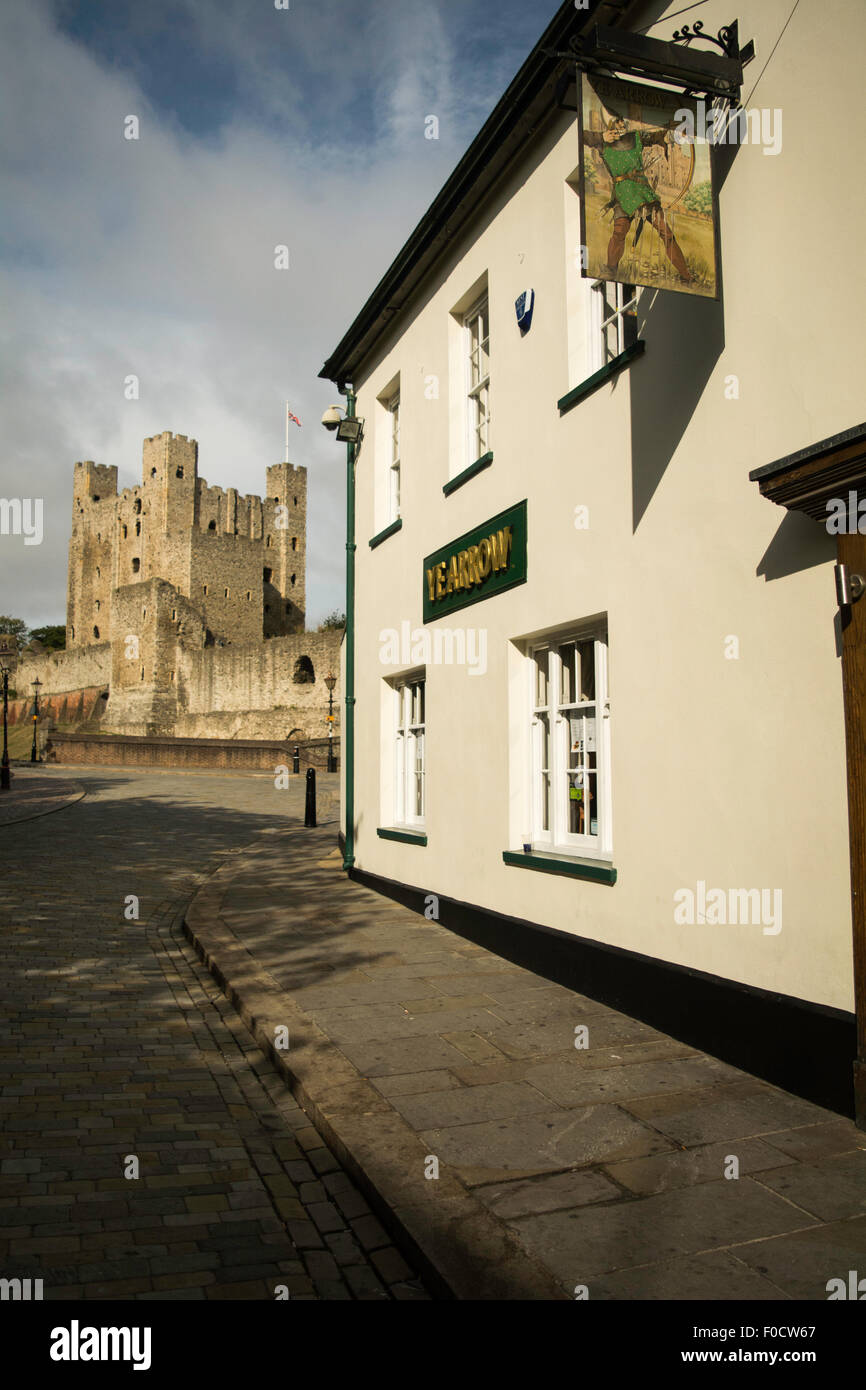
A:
632, 193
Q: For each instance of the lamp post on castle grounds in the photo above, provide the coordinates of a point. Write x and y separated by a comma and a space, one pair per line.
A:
36, 684
330, 682
4, 766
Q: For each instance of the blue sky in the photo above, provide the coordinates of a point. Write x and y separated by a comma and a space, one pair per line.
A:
154, 257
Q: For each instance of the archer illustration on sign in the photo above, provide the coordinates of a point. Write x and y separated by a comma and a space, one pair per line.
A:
648, 206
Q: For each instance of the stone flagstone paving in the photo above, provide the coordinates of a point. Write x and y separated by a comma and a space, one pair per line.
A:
608, 1164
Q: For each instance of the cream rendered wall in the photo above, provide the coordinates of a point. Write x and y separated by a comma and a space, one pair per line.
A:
729, 771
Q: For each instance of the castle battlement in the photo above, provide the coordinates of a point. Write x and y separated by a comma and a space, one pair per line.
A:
238, 559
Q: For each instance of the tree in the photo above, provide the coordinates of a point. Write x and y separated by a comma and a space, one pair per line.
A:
17, 627
335, 622
52, 636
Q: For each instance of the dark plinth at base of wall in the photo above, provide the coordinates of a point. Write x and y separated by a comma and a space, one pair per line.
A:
128, 750
805, 1048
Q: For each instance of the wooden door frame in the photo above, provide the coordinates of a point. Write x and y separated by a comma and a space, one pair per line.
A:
807, 481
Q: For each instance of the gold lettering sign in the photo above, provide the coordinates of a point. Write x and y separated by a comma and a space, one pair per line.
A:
484, 561
469, 568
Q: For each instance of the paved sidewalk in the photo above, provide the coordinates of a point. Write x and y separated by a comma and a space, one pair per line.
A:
606, 1167
36, 794
115, 1042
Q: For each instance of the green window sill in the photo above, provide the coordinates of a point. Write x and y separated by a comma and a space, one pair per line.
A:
605, 373
405, 837
595, 870
461, 478
388, 531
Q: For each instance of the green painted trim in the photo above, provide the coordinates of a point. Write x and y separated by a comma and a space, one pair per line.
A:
405, 837
454, 483
592, 383
388, 531
348, 730
591, 869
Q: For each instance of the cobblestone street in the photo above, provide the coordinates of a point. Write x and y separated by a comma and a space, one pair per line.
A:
116, 1042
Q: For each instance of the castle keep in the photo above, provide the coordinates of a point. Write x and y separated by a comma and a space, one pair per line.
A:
239, 561
186, 605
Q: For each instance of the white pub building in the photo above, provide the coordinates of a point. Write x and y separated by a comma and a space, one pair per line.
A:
609, 677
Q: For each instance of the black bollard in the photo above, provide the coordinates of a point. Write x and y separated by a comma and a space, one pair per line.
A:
310, 809
296, 760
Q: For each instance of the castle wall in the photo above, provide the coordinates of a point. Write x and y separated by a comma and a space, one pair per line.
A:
253, 691
226, 584
173, 526
188, 602
64, 671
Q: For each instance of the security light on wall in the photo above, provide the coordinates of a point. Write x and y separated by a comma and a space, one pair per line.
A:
350, 430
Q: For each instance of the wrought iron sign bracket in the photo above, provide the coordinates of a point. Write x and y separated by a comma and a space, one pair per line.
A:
696, 72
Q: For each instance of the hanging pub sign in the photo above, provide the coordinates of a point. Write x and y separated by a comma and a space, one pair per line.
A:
648, 205
483, 562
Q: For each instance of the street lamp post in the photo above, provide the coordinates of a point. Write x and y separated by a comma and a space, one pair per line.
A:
36, 684
4, 766
350, 431
330, 682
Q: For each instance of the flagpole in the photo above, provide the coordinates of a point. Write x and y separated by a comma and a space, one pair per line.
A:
287, 432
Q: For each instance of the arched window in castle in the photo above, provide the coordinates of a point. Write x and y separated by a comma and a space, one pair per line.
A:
295, 500
266, 575
96, 633
97, 605
179, 473
98, 572
304, 673
137, 506
225, 593
153, 472
124, 531
138, 528
294, 542
268, 542
211, 526
293, 581
136, 564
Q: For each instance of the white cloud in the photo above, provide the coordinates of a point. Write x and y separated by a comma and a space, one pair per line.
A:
155, 257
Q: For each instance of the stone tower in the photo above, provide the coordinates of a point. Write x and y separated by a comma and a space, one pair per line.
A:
284, 558
238, 560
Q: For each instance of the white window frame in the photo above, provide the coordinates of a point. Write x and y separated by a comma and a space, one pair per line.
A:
410, 743
612, 321
393, 408
477, 382
556, 838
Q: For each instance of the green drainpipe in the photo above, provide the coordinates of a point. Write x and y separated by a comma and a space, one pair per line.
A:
349, 726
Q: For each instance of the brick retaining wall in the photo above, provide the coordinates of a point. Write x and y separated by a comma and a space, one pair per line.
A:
137, 751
